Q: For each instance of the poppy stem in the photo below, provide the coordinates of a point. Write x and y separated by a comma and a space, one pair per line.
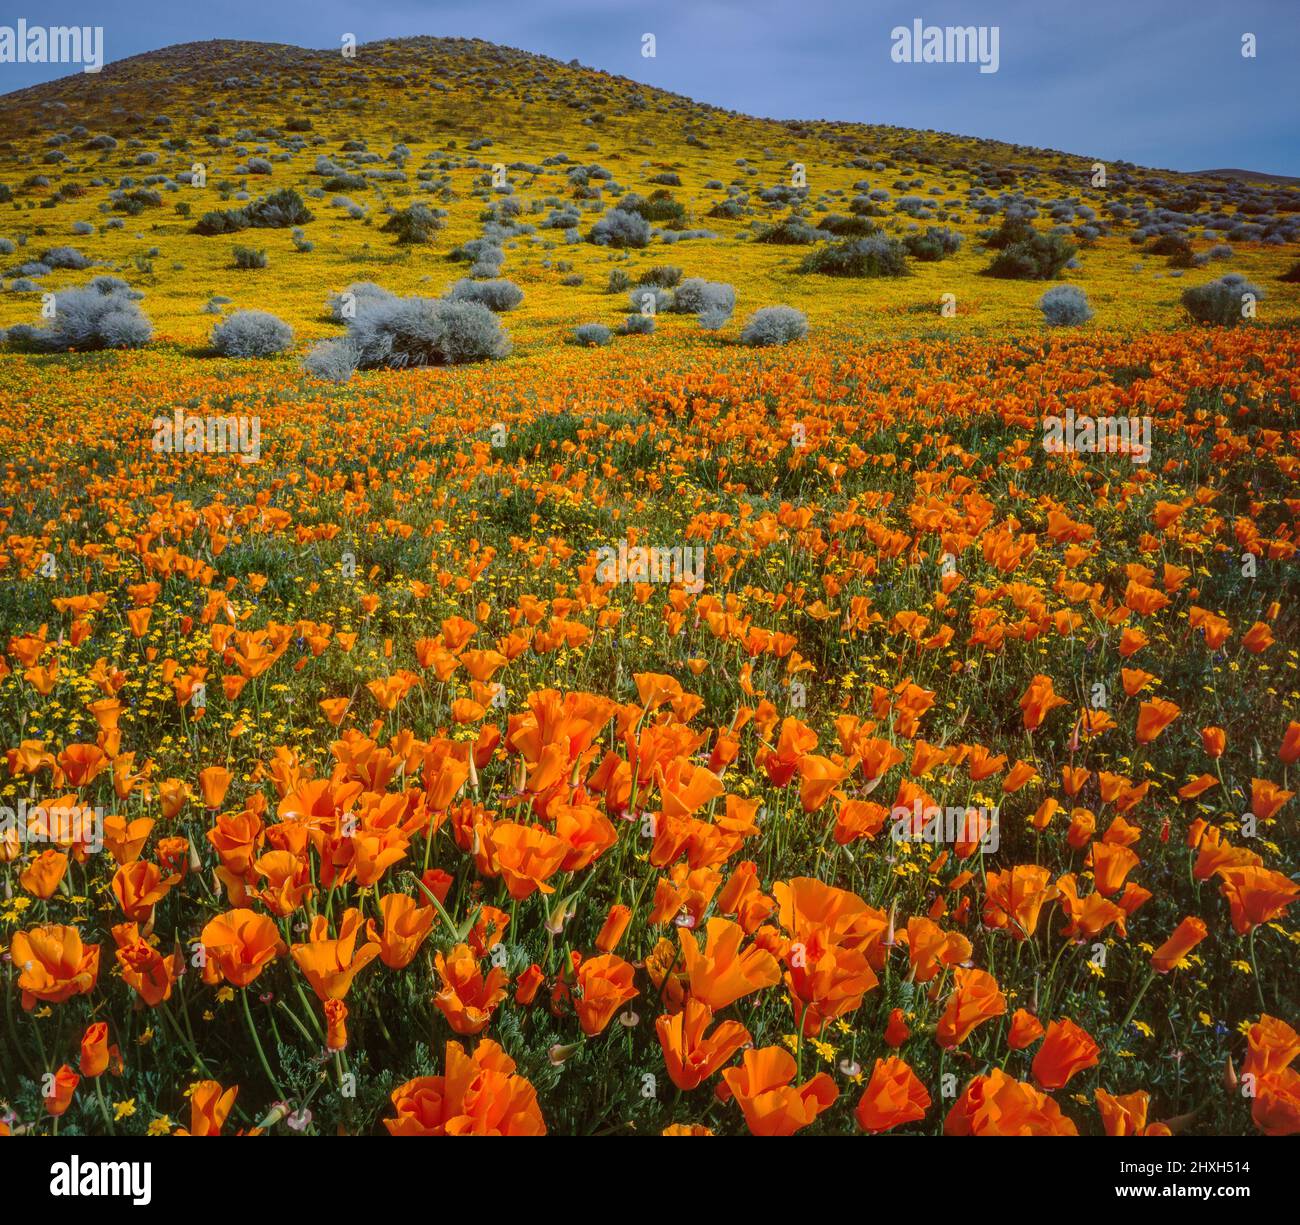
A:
103, 1105
1254, 970
257, 1042
293, 1016
1137, 999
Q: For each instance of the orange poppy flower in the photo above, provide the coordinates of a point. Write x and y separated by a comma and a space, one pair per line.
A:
139, 886
612, 930
1000, 1105
722, 974
771, 1104
41, 877
975, 998
1271, 1045
690, 1057
896, 1031
61, 1086
1066, 1049
1153, 717
1267, 797
53, 964
1014, 898
143, 968
826, 979
331, 964
1038, 701
1124, 1114
240, 944
1025, 1030
406, 926
1214, 740
604, 984
94, 1050
467, 998
210, 1106
214, 782
1187, 935
527, 856
480, 1095
1256, 895
336, 1025
893, 1096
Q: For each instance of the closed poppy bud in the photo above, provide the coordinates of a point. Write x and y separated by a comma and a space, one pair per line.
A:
1214, 740
1187, 935
1230, 1081
94, 1050
1025, 1030
615, 925
1083, 824
58, 1090
1124, 1115
214, 783
896, 1032
174, 855
336, 1025
528, 984
604, 985
172, 796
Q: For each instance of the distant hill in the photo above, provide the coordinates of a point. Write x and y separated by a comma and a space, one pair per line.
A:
524, 154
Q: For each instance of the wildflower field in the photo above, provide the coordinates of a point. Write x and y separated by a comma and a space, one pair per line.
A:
679, 732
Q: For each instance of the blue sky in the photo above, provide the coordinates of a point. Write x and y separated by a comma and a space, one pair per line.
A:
1158, 82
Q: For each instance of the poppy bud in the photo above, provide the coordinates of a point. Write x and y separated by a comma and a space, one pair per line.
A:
94, 1050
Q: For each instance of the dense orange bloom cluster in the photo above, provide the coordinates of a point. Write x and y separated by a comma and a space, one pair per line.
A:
964, 772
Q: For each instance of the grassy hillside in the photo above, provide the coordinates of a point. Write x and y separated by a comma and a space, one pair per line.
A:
425, 120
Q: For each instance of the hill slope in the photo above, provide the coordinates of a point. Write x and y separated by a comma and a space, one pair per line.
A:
102, 163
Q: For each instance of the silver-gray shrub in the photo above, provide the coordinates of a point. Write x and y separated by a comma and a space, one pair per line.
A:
591, 335
65, 257
251, 333
618, 228
425, 332
335, 361
640, 298
1220, 301
695, 296
774, 325
497, 296
1065, 306
363, 294
102, 315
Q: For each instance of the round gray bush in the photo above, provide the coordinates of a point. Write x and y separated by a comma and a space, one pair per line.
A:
1065, 306
591, 335
332, 360
695, 297
774, 325
1220, 301
425, 332
641, 298
103, 315
495, 295
364, 294
618, 228
251, 334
